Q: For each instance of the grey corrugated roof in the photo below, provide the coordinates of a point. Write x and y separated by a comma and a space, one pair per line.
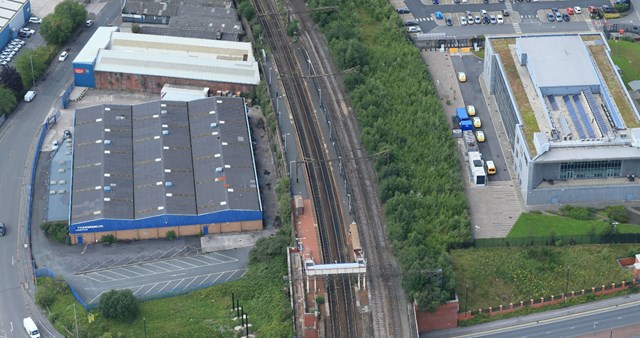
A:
203, 135
635, 85
100, 39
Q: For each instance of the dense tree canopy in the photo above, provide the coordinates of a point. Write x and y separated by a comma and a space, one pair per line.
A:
8, 100
399, 113
10, 78
119, 305
56, 28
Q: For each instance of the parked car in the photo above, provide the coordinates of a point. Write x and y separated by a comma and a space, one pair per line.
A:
89, 23
55, 145
11, 49
64, 55
439, 15
558, 17
24, 35
480, 136
551, 17
577, 10
411, 23
566, 17
18, 41
414, 29
35, 19
478, 20
592, 9
606, 8
470, 19
463, 21
29, 96
3, 62
67, 134
505, 12
476, 122
570, 10
483, 12
493, 19
462, 77
500, 18
436, 2
27, 30
471, 110
3, 229
485, 20
402, 10
448, 21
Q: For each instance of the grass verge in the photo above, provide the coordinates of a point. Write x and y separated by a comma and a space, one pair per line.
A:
616, 91
541, 225
626, 55
509, 275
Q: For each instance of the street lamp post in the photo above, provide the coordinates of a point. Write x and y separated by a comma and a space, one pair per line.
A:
466, 300
33, 77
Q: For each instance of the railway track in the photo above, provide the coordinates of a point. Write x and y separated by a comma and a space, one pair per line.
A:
321, 180
389, 309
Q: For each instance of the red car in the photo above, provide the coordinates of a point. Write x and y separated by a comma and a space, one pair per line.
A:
592, 9
570, 11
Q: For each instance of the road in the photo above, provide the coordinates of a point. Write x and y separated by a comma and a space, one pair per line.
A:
617, 315
17, 135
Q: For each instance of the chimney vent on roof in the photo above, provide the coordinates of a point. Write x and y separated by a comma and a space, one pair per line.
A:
168, 184
107, 142
165, 132
219, 169
213, 125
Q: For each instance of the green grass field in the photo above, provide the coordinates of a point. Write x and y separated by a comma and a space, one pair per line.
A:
626, 55
509, 275
534, 225
203, 313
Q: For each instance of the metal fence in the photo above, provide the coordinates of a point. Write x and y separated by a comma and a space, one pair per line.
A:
554, 240
616, 27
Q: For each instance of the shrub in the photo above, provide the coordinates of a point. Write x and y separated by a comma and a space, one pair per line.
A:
108, 239
58, 231
576, 212
621, 7
617, 213
119, 305
319, 300
135, 28
45, 297
170, 235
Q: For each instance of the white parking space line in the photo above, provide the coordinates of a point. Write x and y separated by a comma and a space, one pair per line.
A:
159, 291
94, 279
233, 273
193, 280
119, 274
141, 268
154, 285
159, 267
177, 252
130, 270
205, 279
183, 261
201, 261
229, 258
182, 264
138, 289
96, 297
167, 263
177, 285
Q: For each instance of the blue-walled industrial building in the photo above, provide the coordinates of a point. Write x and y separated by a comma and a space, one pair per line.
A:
13, 16
142, 170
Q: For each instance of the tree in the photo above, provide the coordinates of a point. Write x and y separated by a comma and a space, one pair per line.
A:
56, 29
8, 100
38, 58
10, 78
72, 10
119, 305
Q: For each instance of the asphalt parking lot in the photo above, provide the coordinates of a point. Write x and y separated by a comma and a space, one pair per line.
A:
163, 276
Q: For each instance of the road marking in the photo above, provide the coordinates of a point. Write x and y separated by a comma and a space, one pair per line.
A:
154, 285
231, 259
177, 284
178, 274
116, 273
185, 262
13, 262
209, 275
96, 297
131, 271
141, 268
138, 289
159, 267
167, 263
11, 324
159, 291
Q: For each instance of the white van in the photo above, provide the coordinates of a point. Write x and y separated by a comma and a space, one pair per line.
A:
28, 97
30, 326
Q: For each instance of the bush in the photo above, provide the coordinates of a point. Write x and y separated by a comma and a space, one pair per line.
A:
108, 239
170, 235
135, 28
617, 213
621, 7
119, 305
45, 297
58, 231
576, 212
319, 300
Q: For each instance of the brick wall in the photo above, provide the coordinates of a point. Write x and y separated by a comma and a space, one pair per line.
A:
445, 317
154, 84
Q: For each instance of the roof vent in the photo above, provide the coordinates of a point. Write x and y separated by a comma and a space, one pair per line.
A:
165, 132
219, 169
163, 112
107, 188
168, 184
107, 142
213, 125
